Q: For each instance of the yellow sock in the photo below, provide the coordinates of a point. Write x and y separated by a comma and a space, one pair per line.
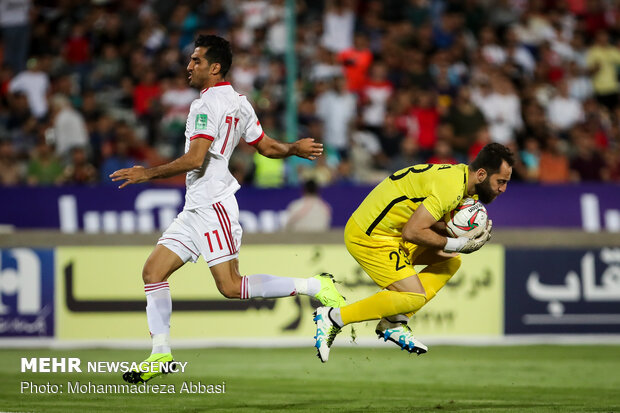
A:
382, 304
435, 276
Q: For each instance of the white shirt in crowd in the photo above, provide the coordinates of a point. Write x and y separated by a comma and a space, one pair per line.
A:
14, 12
503, 112
338, 30
308, 214
378, 95
564, 112
34, 84
337, 111
69, 130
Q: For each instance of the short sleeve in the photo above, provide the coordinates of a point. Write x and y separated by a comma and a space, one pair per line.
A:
201, 122
445, 196
252, 132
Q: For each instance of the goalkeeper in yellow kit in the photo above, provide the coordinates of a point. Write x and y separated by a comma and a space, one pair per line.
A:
401, 224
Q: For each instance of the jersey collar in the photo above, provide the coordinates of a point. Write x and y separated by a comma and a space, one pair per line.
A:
215, 85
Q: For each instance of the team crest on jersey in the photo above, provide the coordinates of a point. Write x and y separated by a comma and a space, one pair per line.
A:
201, 121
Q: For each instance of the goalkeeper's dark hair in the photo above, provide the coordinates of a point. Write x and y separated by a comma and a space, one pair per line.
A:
490, 158
218, 51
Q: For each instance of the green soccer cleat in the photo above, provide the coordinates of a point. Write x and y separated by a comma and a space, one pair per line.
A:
401, 335
329, 295
326, 331
135, 377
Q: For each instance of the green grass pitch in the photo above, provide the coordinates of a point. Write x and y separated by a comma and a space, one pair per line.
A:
447, 379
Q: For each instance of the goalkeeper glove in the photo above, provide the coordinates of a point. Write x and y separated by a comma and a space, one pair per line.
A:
467, 245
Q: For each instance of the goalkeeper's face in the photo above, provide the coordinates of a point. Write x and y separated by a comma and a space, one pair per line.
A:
485, 192
494, 184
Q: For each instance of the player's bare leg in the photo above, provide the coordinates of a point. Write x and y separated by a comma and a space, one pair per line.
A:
232, 285
158, 267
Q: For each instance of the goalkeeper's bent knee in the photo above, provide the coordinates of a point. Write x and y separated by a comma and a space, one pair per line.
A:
382, 304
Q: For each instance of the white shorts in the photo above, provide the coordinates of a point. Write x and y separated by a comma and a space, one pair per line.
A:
213, 232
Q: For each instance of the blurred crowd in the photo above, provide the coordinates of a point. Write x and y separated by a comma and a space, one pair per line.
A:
90, 87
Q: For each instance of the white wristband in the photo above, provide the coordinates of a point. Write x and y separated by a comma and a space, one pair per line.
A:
454, 244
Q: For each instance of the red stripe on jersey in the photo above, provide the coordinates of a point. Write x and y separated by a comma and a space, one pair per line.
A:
201, 136
258, 139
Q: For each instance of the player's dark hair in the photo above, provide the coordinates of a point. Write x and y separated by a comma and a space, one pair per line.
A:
490, 158
218, 51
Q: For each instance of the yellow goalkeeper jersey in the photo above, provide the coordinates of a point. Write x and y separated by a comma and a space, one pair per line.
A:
388, 207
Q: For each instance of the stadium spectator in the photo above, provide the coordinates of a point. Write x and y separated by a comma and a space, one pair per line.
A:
68, 126
356, 61
15, 29
337, 108
79, 171
34, 82
553, 162
442, 153
310, 213
423, 119
564, 111
390, 138
118, 159
530, 156
586, 164
338, 25
375, 95
325, 68
464, 120
11, 173
44, 167
602, 60
502, 109
108, 68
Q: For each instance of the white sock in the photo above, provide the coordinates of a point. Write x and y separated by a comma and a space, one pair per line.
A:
270, 286
158, 310
398, 318
334, 315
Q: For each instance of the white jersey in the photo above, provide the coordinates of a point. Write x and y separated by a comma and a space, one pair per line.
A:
224, 117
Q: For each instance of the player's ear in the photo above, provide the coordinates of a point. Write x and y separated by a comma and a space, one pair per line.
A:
481, 174
215, 68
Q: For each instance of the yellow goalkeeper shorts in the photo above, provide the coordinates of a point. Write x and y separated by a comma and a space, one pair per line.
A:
385, 259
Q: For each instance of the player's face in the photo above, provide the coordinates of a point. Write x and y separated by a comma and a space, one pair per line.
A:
198, 68
494, 185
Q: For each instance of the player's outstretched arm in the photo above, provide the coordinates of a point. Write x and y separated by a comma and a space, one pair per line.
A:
304, 148
193, 159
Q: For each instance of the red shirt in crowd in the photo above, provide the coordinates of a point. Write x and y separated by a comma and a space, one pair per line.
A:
355, 64
143, 96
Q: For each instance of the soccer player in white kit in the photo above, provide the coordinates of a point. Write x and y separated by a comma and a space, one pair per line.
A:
209, 223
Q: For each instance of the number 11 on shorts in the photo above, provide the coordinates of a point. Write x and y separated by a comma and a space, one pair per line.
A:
217, 236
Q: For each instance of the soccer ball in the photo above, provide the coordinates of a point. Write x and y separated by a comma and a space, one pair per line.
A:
468, 219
